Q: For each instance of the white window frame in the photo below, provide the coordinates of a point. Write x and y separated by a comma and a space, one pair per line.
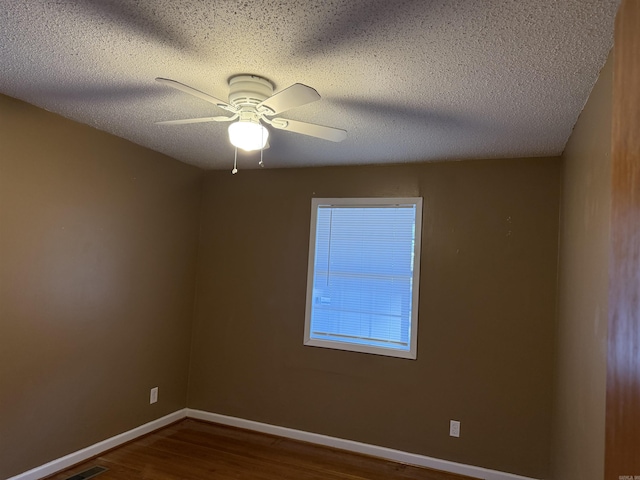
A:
366, 202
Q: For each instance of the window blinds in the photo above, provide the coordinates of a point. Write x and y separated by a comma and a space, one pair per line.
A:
363, 275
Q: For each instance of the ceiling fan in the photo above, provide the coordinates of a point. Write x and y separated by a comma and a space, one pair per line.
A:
252, 103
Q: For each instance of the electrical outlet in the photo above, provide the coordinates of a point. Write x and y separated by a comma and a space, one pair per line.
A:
153, 397
454, 428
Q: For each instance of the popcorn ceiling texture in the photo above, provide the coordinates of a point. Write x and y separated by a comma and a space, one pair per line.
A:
410, 80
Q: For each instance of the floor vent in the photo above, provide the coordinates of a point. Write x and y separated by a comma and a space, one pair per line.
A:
92, 472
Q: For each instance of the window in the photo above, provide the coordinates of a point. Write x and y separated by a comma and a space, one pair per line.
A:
362, 285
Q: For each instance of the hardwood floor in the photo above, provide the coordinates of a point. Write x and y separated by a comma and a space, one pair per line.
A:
196, 450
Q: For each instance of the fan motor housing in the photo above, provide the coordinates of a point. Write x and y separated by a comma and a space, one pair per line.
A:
246, 90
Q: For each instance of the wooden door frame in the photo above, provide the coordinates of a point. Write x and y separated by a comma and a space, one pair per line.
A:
622, 438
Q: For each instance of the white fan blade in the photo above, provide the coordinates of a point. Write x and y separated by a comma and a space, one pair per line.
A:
294, 96
196, 93
197, 120
311, 129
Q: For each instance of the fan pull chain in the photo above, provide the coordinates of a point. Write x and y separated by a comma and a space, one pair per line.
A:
235, 162
262, 149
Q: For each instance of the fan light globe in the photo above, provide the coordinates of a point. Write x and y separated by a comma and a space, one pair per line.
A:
248, 135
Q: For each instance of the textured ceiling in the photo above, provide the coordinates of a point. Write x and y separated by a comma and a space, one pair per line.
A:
410, 80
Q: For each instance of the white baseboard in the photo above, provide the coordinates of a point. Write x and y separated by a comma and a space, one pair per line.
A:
352, 446
97, 448
349, 445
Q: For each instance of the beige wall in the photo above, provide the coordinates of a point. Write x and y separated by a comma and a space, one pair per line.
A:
487, 312
579, 416
98, 243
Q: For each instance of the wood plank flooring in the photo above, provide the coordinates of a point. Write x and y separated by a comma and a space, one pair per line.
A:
196, 450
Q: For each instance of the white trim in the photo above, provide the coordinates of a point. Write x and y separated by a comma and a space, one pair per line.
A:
352, 446
74, 458
96, 449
